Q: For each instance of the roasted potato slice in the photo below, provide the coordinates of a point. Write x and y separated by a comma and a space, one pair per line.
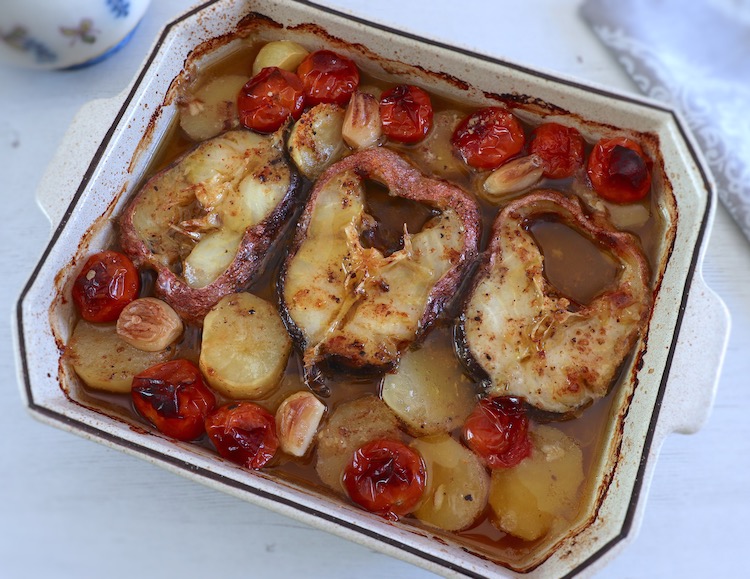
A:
429, 392
542, 490
351, 425
457, 483
104, 361
435, 153
245, 347
284, 54
315, 141
212, 109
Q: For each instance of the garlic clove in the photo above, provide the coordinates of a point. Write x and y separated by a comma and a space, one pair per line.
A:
512, 177
297, 421
149, 324
362, 127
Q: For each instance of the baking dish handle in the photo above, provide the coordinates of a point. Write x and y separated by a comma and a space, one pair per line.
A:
698, 358
64, 173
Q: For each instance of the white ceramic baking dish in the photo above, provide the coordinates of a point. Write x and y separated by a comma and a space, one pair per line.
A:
672, 377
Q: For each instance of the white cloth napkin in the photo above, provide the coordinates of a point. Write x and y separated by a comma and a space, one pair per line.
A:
694, 55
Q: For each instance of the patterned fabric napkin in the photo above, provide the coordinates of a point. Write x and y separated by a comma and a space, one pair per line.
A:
694, 55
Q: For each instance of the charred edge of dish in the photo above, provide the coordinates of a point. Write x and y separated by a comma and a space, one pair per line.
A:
323, 34
418, 553
445, 77
242, 30
519, 99
391, 66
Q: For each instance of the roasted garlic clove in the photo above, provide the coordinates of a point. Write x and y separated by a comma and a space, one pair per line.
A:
149, 324
362, 127
297, 421
512, 177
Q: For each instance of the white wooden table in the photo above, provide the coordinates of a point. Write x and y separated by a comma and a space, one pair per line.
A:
72, 508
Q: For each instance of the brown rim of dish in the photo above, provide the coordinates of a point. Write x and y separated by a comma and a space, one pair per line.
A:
157, 456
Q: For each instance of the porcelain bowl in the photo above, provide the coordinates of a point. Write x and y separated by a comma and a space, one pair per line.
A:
670, 381
68, 33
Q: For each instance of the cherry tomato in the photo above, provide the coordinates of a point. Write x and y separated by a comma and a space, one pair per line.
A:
619, 170
107, 283
488, 137
498, 431
244, 433
174, 398
406, 113
559, 147
385, 477
269, 98
328, 77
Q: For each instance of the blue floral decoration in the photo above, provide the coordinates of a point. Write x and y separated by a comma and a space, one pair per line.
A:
19, 39
119, 8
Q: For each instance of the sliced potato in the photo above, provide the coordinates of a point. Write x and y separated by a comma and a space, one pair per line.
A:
435, 153
457, 483
245, 347
104, 361
315, 141
351, 425
283, 54
213, 108
430, 392
528, 499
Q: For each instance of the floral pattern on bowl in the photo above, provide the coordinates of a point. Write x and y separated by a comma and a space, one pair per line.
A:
43, 35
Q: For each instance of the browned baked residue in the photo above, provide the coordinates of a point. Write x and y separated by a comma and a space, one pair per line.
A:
517, 100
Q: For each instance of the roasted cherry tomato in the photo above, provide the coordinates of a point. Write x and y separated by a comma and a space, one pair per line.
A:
328, 77
406, 113
244, 433
498, 431
269, 98
107, 283
174, 398
559, 147
619, 170
385, 477
488, 137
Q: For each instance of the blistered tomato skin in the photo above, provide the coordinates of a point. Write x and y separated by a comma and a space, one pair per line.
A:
406, 113
107, 283
559, 147
328, 77
498, 431
269, 98
619, 170
174, 398
385, 477
488, 137
244, 433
